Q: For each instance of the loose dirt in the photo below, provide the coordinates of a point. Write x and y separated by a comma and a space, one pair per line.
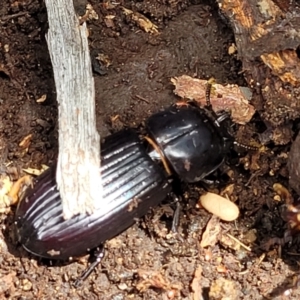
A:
133, 80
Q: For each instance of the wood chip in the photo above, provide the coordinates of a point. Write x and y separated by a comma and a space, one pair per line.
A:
283, 193
26, 141
5, 186
143, 22
18, 188
36, 172
223, 98
196, 284
211, 233
10, 192
157, 280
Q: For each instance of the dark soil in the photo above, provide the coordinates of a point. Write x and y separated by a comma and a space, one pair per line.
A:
143, 262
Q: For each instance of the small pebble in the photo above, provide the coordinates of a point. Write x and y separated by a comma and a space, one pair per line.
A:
220, 207
122, 286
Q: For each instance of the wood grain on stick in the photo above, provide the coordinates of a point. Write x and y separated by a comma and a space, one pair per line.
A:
78, 170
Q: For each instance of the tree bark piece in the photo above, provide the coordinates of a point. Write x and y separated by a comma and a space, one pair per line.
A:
267, 34
78, 170
294, 165
261, 27
222, 98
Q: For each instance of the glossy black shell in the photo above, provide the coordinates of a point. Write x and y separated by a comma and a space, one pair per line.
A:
132, 184
193, 146
190, 140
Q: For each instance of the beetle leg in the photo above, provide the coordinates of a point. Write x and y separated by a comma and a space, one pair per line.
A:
175, 221
176, 216
99, 254
209, 182
221, 118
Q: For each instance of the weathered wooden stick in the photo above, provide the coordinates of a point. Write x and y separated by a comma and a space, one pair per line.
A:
78, 174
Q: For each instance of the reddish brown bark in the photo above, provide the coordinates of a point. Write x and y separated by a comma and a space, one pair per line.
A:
267, 35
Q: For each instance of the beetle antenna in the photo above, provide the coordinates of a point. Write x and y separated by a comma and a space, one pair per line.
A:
247, 147
209, 85
217, 119
207, 94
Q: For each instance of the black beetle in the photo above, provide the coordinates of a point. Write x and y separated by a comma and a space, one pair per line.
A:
183, 141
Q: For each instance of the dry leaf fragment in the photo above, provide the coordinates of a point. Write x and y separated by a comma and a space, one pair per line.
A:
157, 280
109, 21
223, 98
196, 284
110, 4
92, 15
228, 190
36, 172
104, 59
26, 141
143, 22
211, 233
89, 14
10, 192
17, 188
221, 269
283, 193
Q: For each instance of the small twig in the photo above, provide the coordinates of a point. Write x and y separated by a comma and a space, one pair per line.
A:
261, 258
244, 272
141, 98
255, 174
293, 253
239, 242
9, 17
